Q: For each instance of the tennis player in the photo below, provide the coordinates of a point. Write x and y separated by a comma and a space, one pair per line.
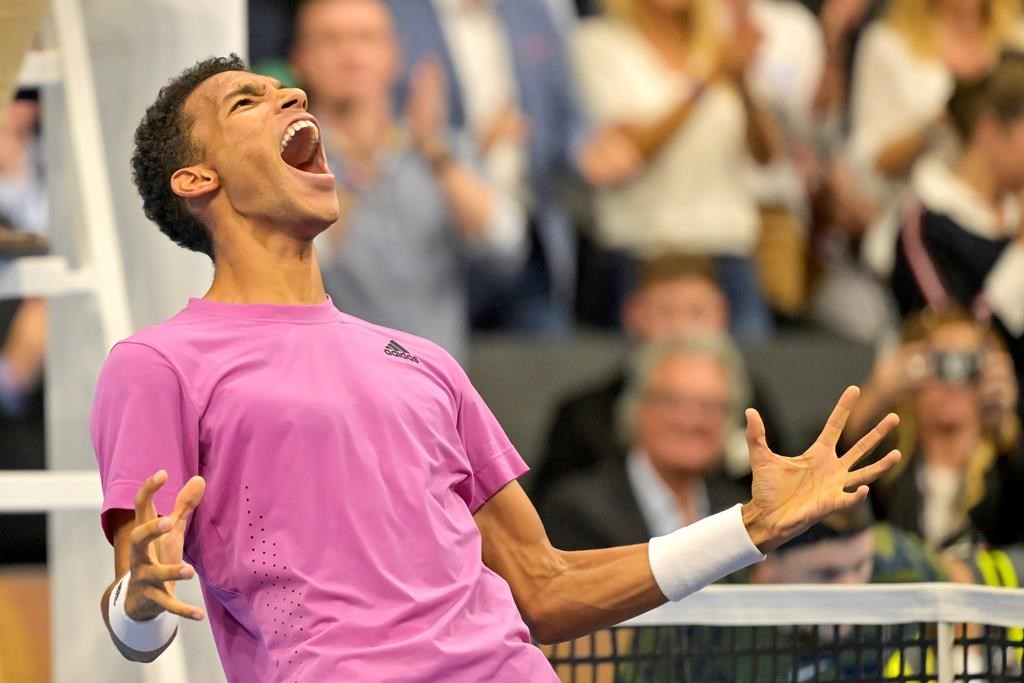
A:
346, 499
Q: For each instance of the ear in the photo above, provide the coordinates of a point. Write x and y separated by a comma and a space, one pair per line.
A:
195, 182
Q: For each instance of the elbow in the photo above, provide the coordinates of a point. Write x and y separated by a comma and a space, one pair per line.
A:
546, 625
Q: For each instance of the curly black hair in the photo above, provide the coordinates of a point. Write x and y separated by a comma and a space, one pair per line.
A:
163, 144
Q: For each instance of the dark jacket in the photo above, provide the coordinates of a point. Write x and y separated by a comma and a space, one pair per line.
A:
598, 509
998, 520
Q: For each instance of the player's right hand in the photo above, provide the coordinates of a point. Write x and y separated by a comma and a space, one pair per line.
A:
157, 550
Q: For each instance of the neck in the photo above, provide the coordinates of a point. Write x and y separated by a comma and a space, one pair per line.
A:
957, 16
950, 447
977, 173
683, 484
265, 266
663, 27
360, 127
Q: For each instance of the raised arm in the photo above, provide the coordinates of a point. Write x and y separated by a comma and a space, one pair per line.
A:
138, 609
563, 595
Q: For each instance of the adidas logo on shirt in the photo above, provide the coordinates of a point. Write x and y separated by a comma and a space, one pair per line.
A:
395, 349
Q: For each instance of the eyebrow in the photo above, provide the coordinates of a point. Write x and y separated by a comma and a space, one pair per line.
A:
252, 88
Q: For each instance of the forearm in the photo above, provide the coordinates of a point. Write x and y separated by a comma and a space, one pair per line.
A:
897, 157
594, 589
470, 200
763, 136
651, 138
590, 590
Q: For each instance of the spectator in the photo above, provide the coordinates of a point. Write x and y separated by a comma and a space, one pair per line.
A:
846, 548
904, 74
513, 92
961, 243
413, 206
675, 295
850, 548
962, 471
23, 215
23, 325
670, 77
675, 415
23, 201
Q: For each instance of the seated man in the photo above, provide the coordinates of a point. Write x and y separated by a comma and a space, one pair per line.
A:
675, 295
415, 210
679, 403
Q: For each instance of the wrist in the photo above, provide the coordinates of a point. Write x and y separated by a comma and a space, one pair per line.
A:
758, 530
146, 635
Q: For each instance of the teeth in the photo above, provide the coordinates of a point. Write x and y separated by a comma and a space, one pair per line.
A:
297, 126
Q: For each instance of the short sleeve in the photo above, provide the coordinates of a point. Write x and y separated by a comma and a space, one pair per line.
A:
142, 421
493, 460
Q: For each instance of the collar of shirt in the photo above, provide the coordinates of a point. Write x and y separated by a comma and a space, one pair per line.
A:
942, 191
656, 500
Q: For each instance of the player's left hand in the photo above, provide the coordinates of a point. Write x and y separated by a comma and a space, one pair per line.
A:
789, 494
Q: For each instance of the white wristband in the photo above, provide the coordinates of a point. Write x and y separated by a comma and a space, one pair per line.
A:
141, 636
690, 558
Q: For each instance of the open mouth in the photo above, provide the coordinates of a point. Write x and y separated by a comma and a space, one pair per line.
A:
301, 149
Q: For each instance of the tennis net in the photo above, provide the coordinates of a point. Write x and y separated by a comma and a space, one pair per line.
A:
907, 633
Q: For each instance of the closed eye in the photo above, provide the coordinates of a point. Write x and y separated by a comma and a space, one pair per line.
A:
241, 103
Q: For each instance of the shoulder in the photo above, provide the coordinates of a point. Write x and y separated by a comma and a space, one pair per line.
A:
882, 41
594, 396
590, 491
787, 16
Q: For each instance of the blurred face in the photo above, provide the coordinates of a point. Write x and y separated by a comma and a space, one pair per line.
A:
838, 561
675, 308
961, 7
345, 50
19, 117
263, 159
673, 6
942, 404
1003, 144
682, 421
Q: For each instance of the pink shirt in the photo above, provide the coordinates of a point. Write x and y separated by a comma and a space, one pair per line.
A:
343, 462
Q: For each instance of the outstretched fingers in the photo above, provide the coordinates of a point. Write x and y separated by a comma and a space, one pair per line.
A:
144, 508
829, 436
172, 604
189, 497
868, 474
757, 445
868, 442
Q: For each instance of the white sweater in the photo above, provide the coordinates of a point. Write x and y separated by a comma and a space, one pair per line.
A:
692, 196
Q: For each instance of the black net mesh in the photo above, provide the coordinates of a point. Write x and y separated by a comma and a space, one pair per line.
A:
904, 653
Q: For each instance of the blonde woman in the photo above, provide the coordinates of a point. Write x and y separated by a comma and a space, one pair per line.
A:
962, 476
670, 74
904, 73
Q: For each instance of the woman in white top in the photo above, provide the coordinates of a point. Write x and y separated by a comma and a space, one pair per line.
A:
904, 73
667, 76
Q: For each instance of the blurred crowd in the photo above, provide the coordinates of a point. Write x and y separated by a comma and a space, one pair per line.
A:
700, 177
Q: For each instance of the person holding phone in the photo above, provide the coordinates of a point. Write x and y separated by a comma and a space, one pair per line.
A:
952, 383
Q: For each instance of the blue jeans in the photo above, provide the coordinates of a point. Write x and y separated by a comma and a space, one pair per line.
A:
750, 319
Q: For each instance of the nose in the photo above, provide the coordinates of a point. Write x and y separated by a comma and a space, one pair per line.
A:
294, 98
